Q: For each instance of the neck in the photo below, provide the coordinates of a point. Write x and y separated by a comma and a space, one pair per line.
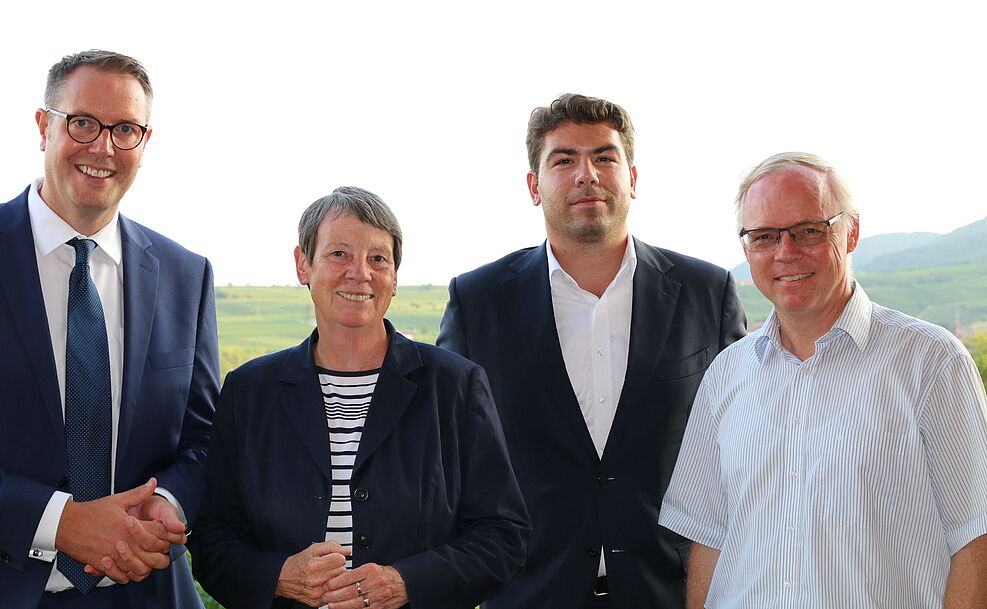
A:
592, 265
351, 349
86, 224
799, 332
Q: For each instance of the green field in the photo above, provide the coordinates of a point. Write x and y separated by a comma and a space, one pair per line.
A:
254, 321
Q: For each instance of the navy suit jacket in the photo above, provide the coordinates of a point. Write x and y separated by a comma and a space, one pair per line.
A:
433, 491
684, 311
170, 383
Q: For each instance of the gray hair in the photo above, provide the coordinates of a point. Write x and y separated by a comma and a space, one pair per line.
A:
365, 205
838, 190
104, 61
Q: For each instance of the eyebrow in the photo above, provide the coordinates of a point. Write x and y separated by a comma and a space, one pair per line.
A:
574, 151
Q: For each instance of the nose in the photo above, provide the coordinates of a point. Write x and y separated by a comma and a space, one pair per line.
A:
786, 248
358, 270
103, 144
587, 173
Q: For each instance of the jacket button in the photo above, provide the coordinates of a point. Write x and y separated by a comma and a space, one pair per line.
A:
364, 542
601, 479
63, 483
593, 552
361, 494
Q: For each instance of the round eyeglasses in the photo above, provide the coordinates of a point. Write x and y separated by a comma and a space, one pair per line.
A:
804, 234
84, 129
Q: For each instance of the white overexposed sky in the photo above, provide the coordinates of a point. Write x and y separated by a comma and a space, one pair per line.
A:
261, 108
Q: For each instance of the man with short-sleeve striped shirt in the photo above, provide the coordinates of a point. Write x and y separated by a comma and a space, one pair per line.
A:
836, 457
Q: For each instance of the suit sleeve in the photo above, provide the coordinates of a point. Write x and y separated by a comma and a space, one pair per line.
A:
224, 559
733, 320
452, 328
492, 520
184, 477
22, 502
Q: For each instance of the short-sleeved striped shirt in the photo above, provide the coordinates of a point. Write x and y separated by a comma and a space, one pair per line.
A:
843, 481
346, 396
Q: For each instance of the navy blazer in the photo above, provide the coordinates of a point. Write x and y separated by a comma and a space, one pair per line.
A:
170, 384
434, 494
684, 312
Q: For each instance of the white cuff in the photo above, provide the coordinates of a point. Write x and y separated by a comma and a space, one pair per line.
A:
43, 546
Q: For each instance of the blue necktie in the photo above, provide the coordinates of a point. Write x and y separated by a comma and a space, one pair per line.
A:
88, 418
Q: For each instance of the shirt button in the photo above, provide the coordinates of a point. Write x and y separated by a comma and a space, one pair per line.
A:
601, 352
790, 529
37, 553
798, 420
794, 473
788, 584
603, 400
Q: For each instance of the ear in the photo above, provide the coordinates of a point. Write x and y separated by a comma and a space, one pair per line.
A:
533, 188
41, 118
633, 181
854, 236
301, 266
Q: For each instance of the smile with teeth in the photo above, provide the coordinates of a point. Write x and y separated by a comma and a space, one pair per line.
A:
92, 171
355, 297
794, 277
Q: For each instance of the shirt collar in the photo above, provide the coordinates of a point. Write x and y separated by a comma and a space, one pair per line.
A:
50, 231
854, 322
627, 265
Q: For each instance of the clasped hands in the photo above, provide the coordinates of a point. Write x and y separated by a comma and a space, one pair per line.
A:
123, 536
318, 576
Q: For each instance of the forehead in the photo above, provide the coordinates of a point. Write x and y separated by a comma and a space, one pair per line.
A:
109, 96
347, 228
788, 196
578, 136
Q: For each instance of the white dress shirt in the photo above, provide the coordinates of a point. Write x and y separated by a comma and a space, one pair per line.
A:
594, 334
55, 260
845, 480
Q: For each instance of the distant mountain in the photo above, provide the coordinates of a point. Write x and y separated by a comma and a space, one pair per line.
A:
894, 251
963, 245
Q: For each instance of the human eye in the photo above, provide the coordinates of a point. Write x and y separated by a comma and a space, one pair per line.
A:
607, 159
378, 259
765, 236
126, 129
563, 161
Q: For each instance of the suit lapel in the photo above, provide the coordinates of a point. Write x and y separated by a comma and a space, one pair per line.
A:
531, 293
653, 304
392, 395
301, 398
140, 287
20, 286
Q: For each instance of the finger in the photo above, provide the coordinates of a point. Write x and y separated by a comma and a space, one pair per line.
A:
173, 525
137, 495
152, 536
111, 570
131, 564
332, 546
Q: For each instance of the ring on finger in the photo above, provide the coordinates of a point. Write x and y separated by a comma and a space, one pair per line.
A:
366, 601
359, 588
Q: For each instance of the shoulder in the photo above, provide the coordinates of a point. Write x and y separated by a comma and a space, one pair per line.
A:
894, 327
263, 368
678, 264
160, 245
501, 267
437, 360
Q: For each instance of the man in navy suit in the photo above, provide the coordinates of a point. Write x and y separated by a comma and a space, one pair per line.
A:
595, 344
158, 382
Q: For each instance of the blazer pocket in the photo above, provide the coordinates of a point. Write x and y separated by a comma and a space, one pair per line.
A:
171, 359
695, 363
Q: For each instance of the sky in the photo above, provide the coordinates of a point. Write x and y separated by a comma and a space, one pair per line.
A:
260, 109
